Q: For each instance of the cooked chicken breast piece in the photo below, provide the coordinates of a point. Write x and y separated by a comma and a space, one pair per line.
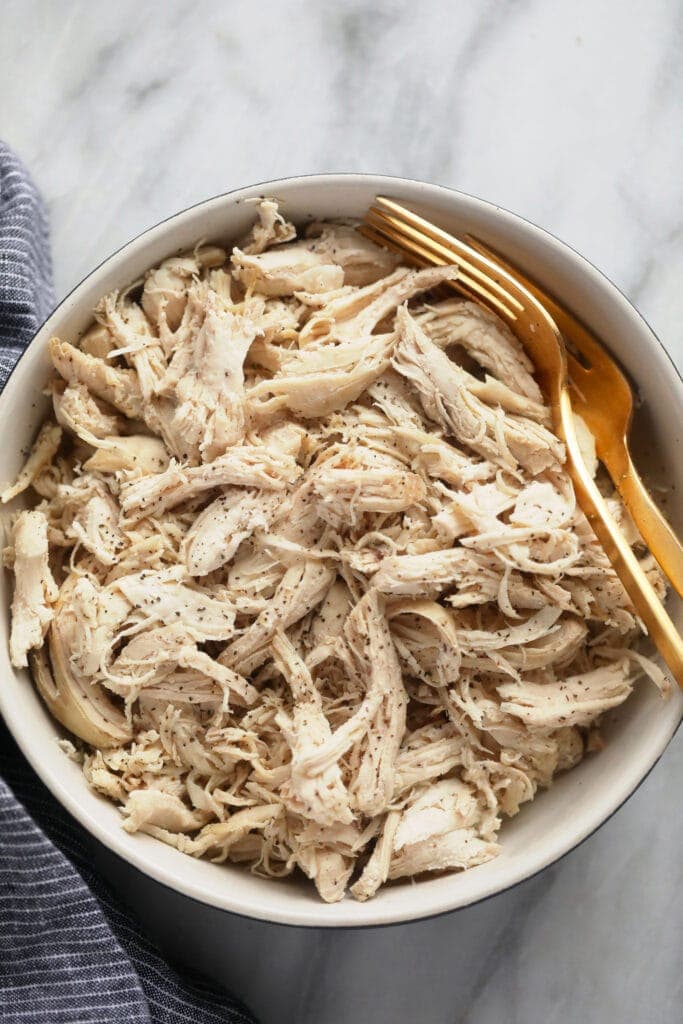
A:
120, 388
372, 657
349, 485
136, 454
458, 849
95, 525
315, 382
286, 269
132, 332
164, 810
206, 377
77, 411
164, 296
35, 590
486, 339
328, 624
362, 261
315, 265
218, 531
161, 597
320, 795
329, 870
97, 341
302, 588
354, 315
572, 701
41, 455
447, 395
427, 641
428, 753
243, 466
421, 575
65, 673
153, 655
269, 228
376, 871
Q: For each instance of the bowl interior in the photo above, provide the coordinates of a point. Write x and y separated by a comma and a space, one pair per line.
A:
637, 733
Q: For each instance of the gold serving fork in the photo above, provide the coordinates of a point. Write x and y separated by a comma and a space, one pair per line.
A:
484, 279
602, 396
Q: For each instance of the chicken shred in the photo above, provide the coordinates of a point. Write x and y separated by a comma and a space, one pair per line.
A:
35, 591
306, 578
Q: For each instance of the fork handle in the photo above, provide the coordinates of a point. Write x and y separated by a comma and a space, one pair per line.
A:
654, 529
649, 608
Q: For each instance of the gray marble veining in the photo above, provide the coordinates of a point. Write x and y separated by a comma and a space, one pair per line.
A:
569, 114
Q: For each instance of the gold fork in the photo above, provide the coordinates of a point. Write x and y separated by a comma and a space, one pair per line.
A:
487, 282
602, 396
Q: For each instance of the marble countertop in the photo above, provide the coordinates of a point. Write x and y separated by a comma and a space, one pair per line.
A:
569, 114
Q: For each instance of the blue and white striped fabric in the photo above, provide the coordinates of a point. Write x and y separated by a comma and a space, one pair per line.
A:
69, 952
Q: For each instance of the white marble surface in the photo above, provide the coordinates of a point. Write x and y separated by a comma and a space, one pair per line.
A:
568, 113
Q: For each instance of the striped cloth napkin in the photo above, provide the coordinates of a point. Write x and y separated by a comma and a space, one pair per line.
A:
69, 952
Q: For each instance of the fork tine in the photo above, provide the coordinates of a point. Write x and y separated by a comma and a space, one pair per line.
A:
408, 217
576, 370
532, 308
388, 241
577, 378
486, 265
386, 234
533, 320
448, 252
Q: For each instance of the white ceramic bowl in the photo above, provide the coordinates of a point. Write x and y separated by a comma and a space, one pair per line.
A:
579, 802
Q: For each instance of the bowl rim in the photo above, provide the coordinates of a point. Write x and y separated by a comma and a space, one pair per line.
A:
312, 915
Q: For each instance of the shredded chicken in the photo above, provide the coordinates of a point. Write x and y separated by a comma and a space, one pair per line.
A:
41, 455
35, 591
305, 578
